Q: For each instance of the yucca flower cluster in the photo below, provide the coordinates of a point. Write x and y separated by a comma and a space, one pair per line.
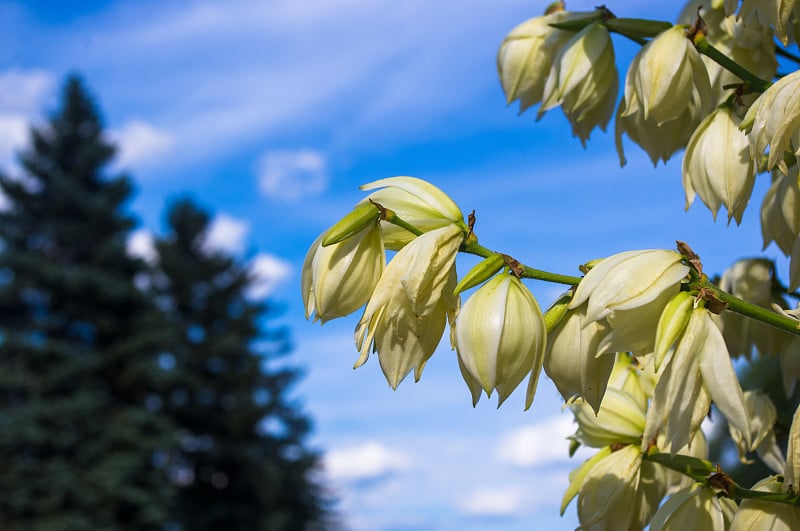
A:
641, 347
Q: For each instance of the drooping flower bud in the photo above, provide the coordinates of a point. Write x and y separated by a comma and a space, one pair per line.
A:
717, 165
780, 210
667, 93
405, 317
584, 81
672, 324
791, 473
338, 279
668, 75
526, 57
774, 121
501, 335
572, 360
762, 414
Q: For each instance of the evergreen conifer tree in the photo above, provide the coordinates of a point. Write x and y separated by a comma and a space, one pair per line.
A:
241, 463
78, 341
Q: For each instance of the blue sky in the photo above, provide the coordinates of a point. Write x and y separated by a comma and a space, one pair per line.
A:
271, 113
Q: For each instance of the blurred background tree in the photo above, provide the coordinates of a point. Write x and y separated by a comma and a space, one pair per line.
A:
124, 408
240, 462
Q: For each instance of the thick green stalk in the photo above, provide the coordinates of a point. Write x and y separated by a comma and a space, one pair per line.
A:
703, 471
704, 47
735, 304
751, 310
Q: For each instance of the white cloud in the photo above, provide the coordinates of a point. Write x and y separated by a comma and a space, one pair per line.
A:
290, 175
538, 445
22, 93
140, 244
227, 234
141, 144
268, 271
492, 502
371, 460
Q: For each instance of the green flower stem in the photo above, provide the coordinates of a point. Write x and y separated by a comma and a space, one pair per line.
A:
751, 310
704, 47
735, 304
703, 471
473, 247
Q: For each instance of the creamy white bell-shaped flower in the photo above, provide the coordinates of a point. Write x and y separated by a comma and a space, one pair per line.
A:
783, 15
634, 330
698, 371
762, 414
661, 105
694, 507
620, 420
717, 165
338, 279
762, 515
526, 57
405, 317
416, 202
780, 211
752, 280
501, 335
607, 487
584, 81
572, 359
774, 121
659, 141
629, 280
667, 76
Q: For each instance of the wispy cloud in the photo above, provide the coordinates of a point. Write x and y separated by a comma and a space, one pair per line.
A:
365, 462
141, 144
22, 93
540, 444
268, 272
289, 175
495, 502
227, 234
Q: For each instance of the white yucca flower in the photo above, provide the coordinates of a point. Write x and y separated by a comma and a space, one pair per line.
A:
783, 15
694, 507
774, 121
584, 81
338, 279
780, 210
717, 165
629, 280
572, 359
698, 371
405, 317
526, 57
501, 336
416, 202
762, 414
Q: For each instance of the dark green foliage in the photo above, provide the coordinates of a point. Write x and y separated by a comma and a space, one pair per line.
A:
124, 409
240, 463
78, 341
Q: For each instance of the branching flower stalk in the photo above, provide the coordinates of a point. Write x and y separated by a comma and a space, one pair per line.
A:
698, 283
